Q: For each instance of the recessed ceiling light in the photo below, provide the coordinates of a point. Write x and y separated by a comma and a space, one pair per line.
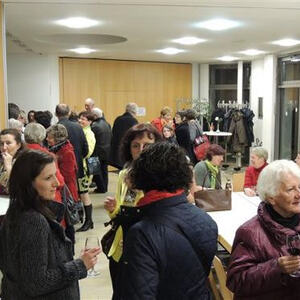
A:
170, 51
82, 50
227, 58
218, 24
252, 52
286, 42
77, 22
189, 40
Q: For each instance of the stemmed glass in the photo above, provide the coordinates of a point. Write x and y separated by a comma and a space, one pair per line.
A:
293, 247
92, 242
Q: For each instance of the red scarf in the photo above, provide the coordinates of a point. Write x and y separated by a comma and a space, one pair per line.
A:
155, 195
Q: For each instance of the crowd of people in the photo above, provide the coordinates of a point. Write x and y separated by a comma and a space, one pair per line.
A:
163, 245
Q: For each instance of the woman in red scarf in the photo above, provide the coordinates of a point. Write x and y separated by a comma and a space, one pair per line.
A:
168, 254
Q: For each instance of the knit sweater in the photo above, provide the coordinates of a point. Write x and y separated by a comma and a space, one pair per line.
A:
36, 260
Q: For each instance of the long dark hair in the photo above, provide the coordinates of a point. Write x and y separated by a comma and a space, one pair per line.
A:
23, 196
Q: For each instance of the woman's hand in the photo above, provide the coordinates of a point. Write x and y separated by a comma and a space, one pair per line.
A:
110, 204
289, 264
249, 192
89, 257
7, 161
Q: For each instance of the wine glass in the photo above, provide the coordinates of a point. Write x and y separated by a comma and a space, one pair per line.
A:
293, 247
92, 242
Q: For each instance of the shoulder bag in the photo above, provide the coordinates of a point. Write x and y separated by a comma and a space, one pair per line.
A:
126, 217
71, 214
212, 199
201, 144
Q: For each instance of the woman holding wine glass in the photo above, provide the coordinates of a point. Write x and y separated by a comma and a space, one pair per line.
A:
36, 256
265, 258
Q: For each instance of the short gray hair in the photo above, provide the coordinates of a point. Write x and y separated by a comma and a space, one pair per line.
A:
132, 108
34, 133
260, 152
89, 101
13, 123
272, 176
97, 112
58, 132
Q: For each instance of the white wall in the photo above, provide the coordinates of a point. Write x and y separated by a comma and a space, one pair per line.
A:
204, 81
33, 81
263, 84
257, 90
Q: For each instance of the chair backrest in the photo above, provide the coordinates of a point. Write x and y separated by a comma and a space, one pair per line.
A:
238, 181
221, 274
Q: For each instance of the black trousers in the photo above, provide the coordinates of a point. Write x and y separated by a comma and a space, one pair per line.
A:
115, 275
101, 180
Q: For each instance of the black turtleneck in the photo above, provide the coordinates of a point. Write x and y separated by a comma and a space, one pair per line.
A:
290, 222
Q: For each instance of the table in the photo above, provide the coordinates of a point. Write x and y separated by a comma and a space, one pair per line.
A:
228, 221
216, 134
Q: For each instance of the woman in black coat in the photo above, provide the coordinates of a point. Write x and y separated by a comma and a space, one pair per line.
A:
182, 133
168, 254
35, 255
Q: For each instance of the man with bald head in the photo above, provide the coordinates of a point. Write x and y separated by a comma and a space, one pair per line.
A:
89, 104
121, 125
102, 131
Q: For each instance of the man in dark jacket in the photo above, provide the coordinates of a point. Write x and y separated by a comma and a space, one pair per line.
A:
121, 125
102, 131
75, 135
168, 254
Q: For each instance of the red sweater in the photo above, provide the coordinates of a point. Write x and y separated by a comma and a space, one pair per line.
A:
251, 176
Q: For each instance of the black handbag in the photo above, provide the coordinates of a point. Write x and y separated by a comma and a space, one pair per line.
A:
126, 217
93, 165
71, 214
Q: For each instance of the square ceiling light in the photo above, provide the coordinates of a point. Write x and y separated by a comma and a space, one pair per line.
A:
170, 51
286, 42
252, 52
77, 22
189, 40
218, 24
227, 58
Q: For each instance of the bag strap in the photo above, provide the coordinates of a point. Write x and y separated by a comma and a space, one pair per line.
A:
163, 220
208, 173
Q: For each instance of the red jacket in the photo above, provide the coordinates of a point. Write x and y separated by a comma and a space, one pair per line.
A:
251, 176
68, 167
253, 272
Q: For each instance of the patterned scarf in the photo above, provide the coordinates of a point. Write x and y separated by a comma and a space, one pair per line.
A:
214, 170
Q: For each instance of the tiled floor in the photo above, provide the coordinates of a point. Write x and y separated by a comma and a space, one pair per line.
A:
97, 288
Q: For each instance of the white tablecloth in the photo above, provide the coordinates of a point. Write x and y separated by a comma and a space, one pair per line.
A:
4, 202
228, 221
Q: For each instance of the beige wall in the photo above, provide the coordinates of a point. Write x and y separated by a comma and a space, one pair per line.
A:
2, 91
113, 83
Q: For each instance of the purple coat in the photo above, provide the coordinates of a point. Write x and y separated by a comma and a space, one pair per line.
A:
253, 272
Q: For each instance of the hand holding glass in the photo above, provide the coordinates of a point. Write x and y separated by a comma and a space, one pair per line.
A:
293, 247
91, 243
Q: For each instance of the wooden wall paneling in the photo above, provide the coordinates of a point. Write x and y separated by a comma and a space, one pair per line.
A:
81, 80
151, 85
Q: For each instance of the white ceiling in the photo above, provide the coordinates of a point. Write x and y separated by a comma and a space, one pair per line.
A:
152, 25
